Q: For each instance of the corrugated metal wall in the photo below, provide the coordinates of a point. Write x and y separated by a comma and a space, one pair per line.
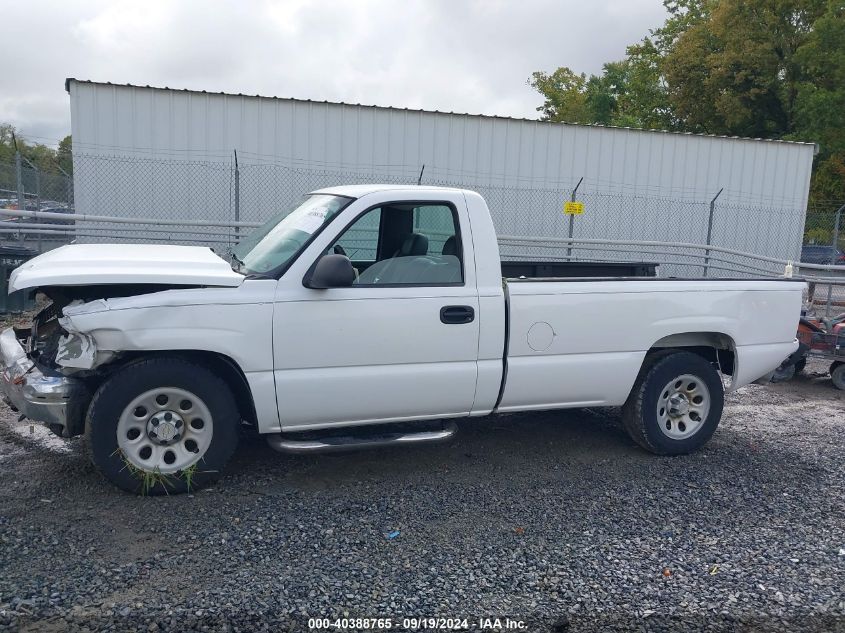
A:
636, 183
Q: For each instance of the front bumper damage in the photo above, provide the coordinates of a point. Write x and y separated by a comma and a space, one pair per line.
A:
39, 393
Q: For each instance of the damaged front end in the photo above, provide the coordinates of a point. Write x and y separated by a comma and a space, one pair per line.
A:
49, 371
40, 392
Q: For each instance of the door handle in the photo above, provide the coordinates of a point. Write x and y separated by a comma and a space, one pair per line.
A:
457, 314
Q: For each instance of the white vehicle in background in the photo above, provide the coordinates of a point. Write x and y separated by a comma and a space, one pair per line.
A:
364, 307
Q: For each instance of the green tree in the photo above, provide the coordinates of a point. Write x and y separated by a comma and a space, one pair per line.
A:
630, 92
753, 68
64, 154
42, 156
737, 72
641, 99
7, 143
565, 95
626, 93
820, 104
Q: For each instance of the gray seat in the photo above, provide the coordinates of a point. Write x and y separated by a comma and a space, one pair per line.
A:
411, 264
385, 272
414, 244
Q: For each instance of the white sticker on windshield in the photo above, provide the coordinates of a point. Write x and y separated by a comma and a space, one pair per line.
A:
311, 221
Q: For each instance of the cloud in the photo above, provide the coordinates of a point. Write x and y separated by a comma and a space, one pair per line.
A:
453, 55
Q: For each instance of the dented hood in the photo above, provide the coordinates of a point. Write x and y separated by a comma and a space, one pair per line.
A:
97, 264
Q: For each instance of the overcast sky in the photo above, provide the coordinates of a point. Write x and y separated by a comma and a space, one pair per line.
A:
454, 55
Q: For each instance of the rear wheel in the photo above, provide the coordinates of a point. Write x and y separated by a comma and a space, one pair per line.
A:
837, 374
161, 426
675, 405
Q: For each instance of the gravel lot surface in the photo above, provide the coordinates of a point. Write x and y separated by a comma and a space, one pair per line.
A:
556, 519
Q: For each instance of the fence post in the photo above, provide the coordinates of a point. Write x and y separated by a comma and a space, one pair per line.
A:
835, 244
19, 180
68, 186
710, 232
37, 172
237, 198
68, 199
572, 221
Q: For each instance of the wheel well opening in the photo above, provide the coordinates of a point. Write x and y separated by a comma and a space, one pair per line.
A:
229, 371
220, 364
714, 347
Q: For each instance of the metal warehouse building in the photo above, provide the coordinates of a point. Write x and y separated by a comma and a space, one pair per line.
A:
158, 152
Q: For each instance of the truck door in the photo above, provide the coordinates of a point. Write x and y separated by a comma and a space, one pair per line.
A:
402, 341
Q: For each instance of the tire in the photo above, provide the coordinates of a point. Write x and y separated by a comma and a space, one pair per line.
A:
784, 373
162, 426
695, 392
837, 374
800, 365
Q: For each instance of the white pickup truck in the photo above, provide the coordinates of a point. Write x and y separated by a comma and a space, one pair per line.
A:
367, 315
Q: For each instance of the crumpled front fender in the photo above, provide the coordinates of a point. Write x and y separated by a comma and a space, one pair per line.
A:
78, 350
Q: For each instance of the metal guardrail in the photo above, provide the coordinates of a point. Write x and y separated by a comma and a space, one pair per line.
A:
704, 259
687, 255
505, 239
85, 217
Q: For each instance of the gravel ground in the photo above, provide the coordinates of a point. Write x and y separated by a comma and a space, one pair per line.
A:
556, 519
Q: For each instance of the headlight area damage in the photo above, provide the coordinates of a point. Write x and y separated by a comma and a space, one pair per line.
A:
50, 371
34, 384
77, 350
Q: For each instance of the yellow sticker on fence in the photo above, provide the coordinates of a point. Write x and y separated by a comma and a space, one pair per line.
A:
573, 208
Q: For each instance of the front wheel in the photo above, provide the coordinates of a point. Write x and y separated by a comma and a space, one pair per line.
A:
675, 405
162, 426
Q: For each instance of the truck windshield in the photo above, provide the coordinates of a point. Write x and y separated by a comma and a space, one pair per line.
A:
275, 243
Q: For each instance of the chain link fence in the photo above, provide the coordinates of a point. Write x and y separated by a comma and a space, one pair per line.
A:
23, 182
822, 228
223, 194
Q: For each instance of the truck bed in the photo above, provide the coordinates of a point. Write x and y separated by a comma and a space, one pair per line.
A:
581, 342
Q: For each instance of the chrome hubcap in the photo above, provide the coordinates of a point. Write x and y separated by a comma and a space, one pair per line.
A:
683, 406
165, 430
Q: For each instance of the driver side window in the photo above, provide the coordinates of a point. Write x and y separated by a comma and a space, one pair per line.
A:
360, 241
404, 244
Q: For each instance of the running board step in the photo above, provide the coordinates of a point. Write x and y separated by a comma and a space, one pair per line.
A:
284, 443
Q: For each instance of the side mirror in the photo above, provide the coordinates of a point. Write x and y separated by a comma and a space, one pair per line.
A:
330, 271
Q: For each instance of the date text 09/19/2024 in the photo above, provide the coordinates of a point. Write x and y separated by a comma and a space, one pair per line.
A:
418, 624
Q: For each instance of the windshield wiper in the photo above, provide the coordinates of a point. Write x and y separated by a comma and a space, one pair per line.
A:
239, 267
236, 260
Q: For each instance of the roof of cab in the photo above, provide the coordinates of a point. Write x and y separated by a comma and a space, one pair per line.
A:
359, 191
